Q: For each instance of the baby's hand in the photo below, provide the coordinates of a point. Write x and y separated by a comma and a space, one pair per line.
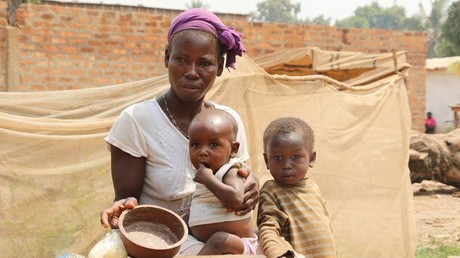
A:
202, 174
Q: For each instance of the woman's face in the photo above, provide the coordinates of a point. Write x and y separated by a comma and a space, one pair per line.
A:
193, 63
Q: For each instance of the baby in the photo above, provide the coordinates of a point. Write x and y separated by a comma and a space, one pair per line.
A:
213, 147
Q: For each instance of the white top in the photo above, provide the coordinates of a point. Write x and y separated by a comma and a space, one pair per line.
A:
206, 208
144, 130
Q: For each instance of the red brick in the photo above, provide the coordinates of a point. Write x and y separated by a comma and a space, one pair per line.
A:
69, 49
87, 49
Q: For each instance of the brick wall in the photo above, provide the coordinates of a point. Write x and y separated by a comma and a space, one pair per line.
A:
3, 46
71, 46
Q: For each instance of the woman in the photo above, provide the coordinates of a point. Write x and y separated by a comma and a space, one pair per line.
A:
149, 144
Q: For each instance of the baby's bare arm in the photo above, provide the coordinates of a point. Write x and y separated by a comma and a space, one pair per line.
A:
230, 192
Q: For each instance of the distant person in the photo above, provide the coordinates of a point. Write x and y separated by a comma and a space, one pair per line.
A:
430, 123
292, 217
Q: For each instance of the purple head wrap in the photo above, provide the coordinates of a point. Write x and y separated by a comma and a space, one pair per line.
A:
201, 19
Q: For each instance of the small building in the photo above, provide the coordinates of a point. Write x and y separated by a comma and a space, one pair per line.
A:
442, 92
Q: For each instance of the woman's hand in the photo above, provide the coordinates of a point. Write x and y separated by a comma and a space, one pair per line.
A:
251, 193
110, 216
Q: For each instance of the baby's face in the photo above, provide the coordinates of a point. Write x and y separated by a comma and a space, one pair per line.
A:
211, 143
288, 158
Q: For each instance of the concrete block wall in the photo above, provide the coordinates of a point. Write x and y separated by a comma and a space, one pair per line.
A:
64, 46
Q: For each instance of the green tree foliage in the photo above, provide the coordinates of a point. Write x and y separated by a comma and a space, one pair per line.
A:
374, 16
353, 22
450, 44
277, 11
391, 18
433, 24
319, 20
413, 23
196, 4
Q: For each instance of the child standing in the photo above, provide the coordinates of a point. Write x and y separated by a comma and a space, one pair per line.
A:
292, 217
213, 148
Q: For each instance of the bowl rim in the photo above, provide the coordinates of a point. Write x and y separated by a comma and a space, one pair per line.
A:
178, 243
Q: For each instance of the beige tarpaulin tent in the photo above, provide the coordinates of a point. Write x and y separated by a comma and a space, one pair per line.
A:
54, 164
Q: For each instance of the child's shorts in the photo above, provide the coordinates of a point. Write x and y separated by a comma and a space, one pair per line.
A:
193, 246
250, 244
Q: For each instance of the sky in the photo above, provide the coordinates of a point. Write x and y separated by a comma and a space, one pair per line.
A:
335, 9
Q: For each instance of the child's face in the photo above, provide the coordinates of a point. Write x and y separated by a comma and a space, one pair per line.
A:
288, 158
211, 143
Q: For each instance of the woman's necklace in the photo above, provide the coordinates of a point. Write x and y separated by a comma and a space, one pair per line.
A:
172, 117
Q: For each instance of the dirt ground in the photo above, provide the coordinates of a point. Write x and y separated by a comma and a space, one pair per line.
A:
437, 214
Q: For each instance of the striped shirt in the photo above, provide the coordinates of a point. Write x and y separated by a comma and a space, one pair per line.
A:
294, 219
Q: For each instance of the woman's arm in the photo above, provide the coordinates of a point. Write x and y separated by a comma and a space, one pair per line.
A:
251, 184
251, 193
128, 174
128, 179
